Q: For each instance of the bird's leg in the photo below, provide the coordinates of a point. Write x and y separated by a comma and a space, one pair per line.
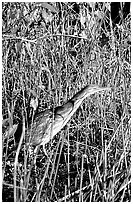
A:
36, 150
45, 152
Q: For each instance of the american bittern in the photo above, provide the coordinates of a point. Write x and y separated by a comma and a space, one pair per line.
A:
48, 123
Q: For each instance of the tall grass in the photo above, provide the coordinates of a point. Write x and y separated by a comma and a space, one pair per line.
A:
89, 159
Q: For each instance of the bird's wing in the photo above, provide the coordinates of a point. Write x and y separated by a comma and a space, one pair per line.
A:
39, 129
61, 112
62, 115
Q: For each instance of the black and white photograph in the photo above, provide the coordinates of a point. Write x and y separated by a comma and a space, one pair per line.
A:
66, 101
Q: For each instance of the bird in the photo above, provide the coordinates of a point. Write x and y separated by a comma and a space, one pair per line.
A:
48, 123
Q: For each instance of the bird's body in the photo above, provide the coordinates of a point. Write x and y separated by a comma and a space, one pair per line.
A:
48, 123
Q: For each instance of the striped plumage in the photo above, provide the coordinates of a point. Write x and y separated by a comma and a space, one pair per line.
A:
48, 123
